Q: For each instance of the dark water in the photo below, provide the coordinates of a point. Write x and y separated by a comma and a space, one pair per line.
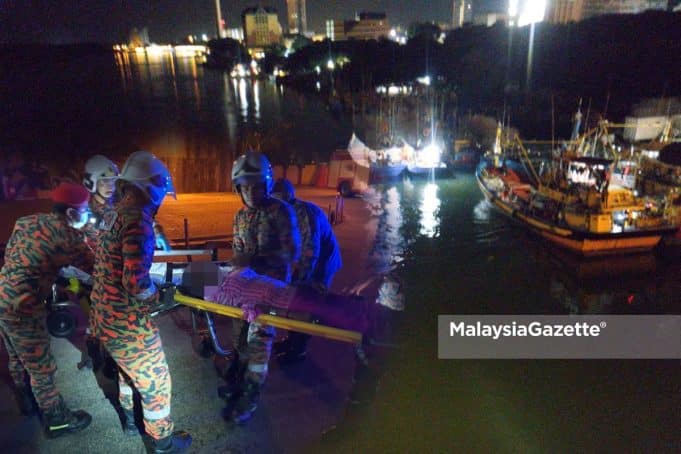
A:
454, 253
64, 109
458, 256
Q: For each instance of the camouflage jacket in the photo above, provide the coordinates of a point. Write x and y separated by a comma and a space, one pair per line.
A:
39, 246
122, 289
270, 236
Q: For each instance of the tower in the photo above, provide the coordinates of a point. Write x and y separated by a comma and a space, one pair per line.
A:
297, 16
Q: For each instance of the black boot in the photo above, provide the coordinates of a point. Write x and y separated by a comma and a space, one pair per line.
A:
177, 442
129, 426
60, 420
247, 403
25, 401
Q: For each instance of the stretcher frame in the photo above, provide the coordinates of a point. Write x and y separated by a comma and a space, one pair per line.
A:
207, 308
328, 332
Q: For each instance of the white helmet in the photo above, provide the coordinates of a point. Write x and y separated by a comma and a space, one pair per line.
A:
253, 165
98, 168
148, 173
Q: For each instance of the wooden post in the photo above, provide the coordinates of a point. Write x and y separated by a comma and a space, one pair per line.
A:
186, 237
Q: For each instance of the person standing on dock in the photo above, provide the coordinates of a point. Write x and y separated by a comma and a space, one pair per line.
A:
267, 239
99, 178
123, 295
39, 246
320, 258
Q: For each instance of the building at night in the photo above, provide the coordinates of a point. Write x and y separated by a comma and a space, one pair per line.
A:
297, 16
462, 12
564, 11
366, 25
599, 7
139, 38
261, 27
489, 19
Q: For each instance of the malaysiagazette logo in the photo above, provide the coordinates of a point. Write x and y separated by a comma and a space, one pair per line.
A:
532, 329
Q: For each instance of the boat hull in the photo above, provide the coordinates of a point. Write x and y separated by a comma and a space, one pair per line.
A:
583, 243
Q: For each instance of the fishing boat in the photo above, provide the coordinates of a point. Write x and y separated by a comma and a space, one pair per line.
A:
574, 206
427, 161
384, 164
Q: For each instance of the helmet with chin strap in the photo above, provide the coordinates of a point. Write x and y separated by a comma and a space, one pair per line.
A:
148, 173
252, 166
98, 168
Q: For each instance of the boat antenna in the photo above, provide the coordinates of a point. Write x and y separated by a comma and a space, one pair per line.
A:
553, 124
607, 102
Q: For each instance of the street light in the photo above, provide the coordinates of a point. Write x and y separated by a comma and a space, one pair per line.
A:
330, 65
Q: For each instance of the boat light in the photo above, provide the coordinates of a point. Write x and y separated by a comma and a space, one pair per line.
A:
431, 154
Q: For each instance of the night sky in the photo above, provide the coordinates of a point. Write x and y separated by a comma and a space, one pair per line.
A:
109, 21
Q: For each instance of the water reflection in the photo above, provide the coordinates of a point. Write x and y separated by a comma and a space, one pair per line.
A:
256, 101
470, 259
611, 285
388, 247
430, 203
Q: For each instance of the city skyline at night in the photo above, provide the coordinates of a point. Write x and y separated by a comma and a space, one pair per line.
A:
70, 21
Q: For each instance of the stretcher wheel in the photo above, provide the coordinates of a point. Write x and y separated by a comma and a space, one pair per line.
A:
203, 346
61, 323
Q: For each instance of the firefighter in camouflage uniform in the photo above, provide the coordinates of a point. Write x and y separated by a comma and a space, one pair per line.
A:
99, 178
39, 246
266, 238
123, 295
319, 261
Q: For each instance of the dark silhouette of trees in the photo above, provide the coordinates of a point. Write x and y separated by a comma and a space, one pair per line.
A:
612, 61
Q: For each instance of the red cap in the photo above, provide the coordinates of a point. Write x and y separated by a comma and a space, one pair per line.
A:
71, 194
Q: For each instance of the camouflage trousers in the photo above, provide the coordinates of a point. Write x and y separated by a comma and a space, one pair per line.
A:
253, 343
28, 347
142, 363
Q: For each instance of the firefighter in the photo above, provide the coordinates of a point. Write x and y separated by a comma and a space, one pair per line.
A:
267, 239
320, 258
123, 295
99, 178
39, 246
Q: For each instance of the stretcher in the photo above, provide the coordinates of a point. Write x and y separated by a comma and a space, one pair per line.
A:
186, 284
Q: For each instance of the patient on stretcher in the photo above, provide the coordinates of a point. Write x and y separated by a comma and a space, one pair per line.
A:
255, 293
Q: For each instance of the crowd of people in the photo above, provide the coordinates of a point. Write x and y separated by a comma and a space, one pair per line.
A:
105, 226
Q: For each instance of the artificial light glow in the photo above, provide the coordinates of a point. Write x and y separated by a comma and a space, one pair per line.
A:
330, 64
429, 206
425, 80
317, 69
532, 11
431, 155
204, 38
393, 33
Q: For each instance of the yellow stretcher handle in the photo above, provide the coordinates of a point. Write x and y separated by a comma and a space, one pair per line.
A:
313, 329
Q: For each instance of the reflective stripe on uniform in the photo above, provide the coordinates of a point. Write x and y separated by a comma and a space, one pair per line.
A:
156, 414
